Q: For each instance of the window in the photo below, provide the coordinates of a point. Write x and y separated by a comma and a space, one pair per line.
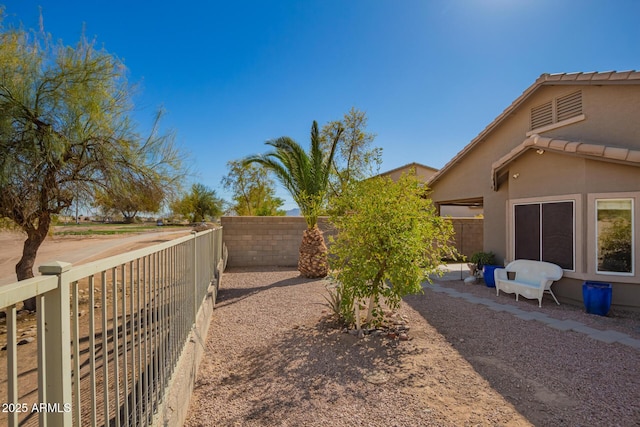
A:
614, 236
557, 110
545, 232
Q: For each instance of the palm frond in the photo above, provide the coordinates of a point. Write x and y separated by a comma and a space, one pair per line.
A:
304, 175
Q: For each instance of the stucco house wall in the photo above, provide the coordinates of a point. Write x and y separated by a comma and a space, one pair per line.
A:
595, 155
425, 173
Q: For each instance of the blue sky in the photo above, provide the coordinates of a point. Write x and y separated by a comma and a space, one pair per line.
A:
429, 74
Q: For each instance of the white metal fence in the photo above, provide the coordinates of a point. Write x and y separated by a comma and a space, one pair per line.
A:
109, 333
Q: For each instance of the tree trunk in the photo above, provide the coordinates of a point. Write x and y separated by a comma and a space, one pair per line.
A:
313, 261
377, 288
372, 305
24, 267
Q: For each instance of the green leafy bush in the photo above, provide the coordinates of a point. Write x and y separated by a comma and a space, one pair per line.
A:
615, 246
389, 240
483, 258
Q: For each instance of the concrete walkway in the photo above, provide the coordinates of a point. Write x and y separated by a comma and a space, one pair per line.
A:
457, 272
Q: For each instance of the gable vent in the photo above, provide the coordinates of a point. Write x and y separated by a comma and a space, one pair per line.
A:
542, 115
569, 106
557, 110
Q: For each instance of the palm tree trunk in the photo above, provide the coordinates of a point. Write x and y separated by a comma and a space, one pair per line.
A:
313, 261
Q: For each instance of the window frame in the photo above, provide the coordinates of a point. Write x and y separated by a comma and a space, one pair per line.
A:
575, 200
632, 273
585, 234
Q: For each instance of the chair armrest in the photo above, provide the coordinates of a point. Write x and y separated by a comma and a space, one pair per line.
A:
500, 273
546, 282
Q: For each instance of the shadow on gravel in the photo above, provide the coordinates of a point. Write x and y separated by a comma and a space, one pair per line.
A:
552, 377
307, 367
228, 296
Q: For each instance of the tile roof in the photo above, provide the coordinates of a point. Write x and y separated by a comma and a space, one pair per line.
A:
578, 148
599, 78
629, 75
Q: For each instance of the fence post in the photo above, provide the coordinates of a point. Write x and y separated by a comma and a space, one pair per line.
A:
194, 234
57, 338
214, 254
219, 247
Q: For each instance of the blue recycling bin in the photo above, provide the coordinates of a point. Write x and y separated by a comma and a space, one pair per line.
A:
597, 297
487, 273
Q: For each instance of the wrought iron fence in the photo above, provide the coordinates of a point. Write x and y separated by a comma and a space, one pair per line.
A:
109, 333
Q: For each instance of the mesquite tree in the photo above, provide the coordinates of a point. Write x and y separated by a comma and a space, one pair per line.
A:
389, 240
130, 198
253, 190
356, 158
66, 130
200, 204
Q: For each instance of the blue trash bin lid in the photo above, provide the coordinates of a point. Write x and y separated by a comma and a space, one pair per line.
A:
601, 285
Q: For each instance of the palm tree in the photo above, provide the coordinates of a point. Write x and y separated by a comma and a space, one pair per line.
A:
306, 177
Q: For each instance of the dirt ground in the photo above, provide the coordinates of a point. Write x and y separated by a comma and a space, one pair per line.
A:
75, 249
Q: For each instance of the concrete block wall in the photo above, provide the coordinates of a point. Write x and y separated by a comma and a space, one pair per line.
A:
469, 235
254, 241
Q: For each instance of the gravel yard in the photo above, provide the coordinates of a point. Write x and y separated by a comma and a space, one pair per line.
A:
272, 360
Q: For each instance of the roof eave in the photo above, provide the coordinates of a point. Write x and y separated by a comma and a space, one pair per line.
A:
591, 78
541, 144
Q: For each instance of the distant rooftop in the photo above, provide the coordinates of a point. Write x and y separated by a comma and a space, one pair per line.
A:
407, 167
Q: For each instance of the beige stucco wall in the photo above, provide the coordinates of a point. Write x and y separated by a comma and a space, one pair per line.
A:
611, 118
553, 174
425, 173
471, 178
559, 176
611, 114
